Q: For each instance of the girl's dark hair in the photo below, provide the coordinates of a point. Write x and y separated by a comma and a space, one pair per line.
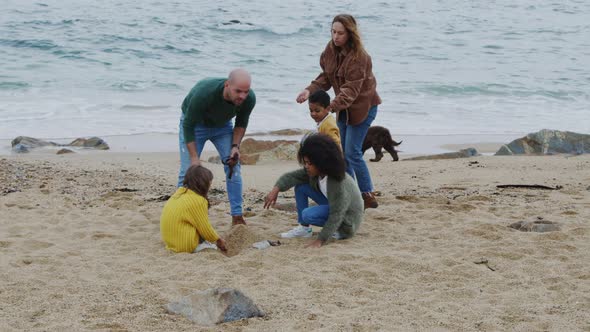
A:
324, 154
198, 179
320, 97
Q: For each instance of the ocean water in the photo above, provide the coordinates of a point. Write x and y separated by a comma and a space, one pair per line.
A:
80, 68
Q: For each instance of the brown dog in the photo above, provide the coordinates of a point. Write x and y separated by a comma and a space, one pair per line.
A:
379, 138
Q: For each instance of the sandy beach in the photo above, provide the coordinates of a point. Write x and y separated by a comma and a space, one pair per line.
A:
81, 250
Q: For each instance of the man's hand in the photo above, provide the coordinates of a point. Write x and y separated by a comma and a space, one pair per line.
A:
317, 243
195, 161
234, 156
192, 152
221, 244
271, 198
303, 95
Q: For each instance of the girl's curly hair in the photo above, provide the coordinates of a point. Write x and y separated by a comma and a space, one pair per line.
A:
324, 154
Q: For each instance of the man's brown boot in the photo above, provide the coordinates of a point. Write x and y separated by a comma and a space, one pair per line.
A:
370, 201
237, 220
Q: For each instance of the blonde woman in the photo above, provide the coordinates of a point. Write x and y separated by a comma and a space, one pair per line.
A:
347, 68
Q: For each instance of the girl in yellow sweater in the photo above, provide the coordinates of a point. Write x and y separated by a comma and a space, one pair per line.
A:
184, 224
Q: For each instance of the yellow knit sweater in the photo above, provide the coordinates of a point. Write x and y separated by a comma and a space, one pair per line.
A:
185, 220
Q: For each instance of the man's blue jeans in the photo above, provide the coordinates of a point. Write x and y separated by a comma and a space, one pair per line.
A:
315, 215
352, 138
222, 140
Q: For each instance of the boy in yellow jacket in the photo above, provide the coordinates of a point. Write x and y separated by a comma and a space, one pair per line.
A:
326, 124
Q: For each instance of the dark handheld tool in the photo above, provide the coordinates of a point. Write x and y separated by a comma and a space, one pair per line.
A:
231, 162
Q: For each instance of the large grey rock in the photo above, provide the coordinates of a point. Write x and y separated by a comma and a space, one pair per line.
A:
20, 148
464, 153
25, 143
282, 132
250, 145
286, 151
215, 306
92, 142
253, 151
547, 141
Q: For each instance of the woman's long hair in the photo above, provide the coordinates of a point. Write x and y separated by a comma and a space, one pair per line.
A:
354, 37
324, 154
198, 179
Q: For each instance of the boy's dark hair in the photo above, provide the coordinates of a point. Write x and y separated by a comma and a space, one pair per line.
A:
320, 97
324, 154
198, 179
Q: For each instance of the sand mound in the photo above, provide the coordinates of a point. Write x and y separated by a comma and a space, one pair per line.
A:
238, 238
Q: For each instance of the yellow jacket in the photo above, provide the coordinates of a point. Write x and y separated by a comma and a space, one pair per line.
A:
185, 220
328, 127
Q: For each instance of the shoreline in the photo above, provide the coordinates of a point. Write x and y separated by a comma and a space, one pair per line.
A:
412, 145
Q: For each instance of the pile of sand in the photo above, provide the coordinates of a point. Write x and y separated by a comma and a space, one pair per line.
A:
238, 238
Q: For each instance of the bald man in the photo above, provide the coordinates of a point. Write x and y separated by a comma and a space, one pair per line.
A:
207, 115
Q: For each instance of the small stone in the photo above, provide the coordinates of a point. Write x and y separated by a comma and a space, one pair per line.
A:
540, 226
261, 245
64, 151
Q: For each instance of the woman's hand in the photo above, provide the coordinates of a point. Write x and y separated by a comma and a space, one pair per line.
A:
271, 198
221, 244
317, 243
303, 95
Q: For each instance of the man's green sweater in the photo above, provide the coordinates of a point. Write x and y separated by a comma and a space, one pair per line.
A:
204, 105
344, 200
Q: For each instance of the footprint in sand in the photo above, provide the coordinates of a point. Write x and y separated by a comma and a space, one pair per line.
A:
407, 198
5, 244
479, 198
79, 235
488, 232
382, 217
569, 213
37, 245
251, 264
25, 207
99, 236
459, 207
